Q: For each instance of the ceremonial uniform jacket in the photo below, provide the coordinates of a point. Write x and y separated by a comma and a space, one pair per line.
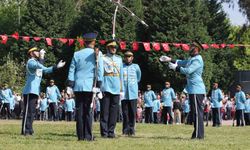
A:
240, 99
131, 77
6, 96
193, 69
157, 105
53, 94
216, 98
34, 73
149, 97
247, 106
167, 96
43, 104
82, 70
186, 107
113, 74
69, 105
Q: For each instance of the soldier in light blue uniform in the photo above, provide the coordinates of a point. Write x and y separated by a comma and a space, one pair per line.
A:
113, 90
53, 95
43, 105
69, 106
193, 69
167, 98
240, 99
186, 109
216, 98
149, 97
131, 78
247, 110
156, 109
34, 72
7, 100
82, 76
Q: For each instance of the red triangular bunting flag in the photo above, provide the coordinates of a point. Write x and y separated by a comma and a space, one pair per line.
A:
4, 39
146, 46
156, 46
231, 45
166, 47
177, 45
123, 45
15, 35
71, 41
81, 42
223, 45
135, 46
102, 42
185, 47
205, 46
26, 38
216, 46
63, 40
37, 38
49, 41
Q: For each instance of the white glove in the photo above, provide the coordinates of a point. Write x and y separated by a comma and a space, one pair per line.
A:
172, 66
99, 95
49, 101
60, 64
42, 53
95, 90
165, 59
69, 90
122, 95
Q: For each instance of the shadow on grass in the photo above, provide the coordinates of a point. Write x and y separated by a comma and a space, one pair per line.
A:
155, 137
60, 134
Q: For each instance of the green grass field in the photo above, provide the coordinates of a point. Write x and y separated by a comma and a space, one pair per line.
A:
61, 135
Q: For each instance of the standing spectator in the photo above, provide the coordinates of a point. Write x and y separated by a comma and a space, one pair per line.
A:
149, 97
156, 108
177, 111
186, 109
131, 78
193, 69
207, 108
43, 106
18, 109
216, 98
240, 99
229, 109
97, 109
167, 98
86, 67
53, 96
69, 107
7, 100
113, 90
247, 110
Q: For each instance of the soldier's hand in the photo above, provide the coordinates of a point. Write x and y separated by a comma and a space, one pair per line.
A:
165, 59
60, 64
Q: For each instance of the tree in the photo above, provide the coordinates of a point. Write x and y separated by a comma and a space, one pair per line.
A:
173, 21
48, 18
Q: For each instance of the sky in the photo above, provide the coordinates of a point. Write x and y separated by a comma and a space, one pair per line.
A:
236, 17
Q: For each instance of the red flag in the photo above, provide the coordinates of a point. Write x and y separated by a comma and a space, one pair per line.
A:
63, 40
177, 45
4, 39
156, 46
166, 47
216, 46
135, 46
81, 41
205, 46
26, 38
146, 46
185, 47
223, 45
71, 41
37, 38
15, 35
231, 45
123, 45
102, 42
49, 41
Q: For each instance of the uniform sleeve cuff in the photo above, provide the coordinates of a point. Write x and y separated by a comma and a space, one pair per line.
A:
178, 68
